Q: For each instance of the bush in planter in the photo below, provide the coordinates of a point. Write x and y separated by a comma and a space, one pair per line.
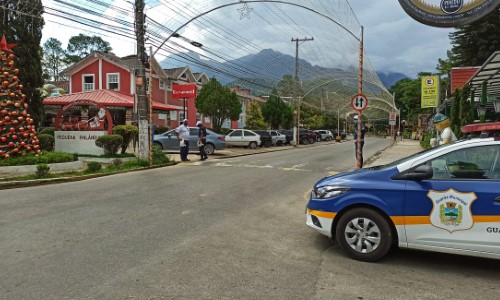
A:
47, 130
93, 167
110, 143
47, 142
158, 156
128, 132
42, 170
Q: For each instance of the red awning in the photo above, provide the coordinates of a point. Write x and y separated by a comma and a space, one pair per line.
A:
104, 97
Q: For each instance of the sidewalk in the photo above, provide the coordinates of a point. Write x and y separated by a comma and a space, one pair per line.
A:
397, 151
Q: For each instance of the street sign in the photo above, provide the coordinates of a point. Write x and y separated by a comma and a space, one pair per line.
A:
392, 118
359, 102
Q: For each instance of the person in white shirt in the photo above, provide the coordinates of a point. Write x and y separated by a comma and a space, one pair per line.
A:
183, 137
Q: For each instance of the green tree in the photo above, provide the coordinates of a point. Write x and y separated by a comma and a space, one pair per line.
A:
455, 113
22, 24
53, 59
254, 118
475, 42
273, 110
218, 103
82, 45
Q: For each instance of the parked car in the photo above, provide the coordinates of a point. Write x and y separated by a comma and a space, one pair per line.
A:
168, 141
323, 135
342, 134
279, 139
266, 140
288, 135
444, 199
242, 138
307, 136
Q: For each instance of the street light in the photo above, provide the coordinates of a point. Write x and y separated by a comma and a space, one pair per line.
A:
481, 112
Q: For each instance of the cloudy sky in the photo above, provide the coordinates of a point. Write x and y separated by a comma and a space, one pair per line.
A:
396, 42
393, 40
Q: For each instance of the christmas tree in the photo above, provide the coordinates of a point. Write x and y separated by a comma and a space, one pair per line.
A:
17, 132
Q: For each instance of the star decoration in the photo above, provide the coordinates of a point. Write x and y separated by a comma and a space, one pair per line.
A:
245, 11
4, 46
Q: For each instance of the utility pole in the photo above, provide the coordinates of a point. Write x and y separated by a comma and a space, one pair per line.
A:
296, 135
140, 82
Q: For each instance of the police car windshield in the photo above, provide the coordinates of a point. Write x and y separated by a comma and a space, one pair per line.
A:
402, 160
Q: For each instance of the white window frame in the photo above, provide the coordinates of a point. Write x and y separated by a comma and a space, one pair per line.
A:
84, 89
108, 81
162, 83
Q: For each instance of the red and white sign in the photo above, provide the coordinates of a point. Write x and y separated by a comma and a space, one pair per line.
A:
359, 102
180, 91
392, 118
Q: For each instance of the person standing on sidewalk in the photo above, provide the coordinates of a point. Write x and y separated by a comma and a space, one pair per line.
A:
183, 137
202, 140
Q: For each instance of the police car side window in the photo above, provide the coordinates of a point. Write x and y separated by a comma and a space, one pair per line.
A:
470, 163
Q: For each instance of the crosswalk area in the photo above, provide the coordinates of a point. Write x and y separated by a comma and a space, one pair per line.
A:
261, 164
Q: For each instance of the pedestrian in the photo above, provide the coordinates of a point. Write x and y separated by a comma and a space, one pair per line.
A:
202, 140
183, 137
363, 130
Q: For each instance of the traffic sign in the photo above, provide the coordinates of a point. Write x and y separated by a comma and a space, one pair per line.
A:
359, 102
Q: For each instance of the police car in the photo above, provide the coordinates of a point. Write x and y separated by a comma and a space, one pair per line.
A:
444, 199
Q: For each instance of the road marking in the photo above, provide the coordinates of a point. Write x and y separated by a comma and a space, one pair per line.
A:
260, 167
333, 173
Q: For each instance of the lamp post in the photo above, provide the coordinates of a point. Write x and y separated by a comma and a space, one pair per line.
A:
481, 112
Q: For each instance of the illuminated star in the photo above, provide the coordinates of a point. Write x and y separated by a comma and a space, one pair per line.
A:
245, 11
4, 46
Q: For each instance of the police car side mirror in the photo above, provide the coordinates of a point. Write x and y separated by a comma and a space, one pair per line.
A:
422, 172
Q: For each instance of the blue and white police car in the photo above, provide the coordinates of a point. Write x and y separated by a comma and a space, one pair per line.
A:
444, 199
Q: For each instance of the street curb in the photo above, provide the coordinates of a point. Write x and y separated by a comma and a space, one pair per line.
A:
36, 182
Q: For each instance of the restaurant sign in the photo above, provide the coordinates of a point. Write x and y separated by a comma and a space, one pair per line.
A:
448, 13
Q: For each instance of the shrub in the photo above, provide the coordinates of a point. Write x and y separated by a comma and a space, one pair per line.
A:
44, 158
47, 130
426, 141
117, 162
224, 131
110, 143
127, 132
47, 142
42, 170
93, 167
158, 156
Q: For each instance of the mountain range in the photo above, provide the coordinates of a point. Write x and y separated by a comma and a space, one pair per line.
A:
264, 68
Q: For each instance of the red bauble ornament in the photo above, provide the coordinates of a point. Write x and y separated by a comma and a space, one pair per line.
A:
28, 149
1, 123
36, 147
11, 144
12, 95
11, 56
5, 83
12, 129
3, 139
20, 86
16, 71
20, 119
15, 78
11, 63
17, 104
4, 112
23, 144
23, 96
7, 119
25, 135
14, 137
6, 74
15, 150
15, 122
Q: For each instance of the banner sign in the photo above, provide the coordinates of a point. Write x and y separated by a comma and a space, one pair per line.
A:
430, 91
180, 91
392, 118
448, 13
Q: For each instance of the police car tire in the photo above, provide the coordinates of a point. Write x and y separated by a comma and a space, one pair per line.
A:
386, 235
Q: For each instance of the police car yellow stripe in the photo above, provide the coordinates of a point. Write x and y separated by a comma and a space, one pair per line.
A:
322, 214
419, 220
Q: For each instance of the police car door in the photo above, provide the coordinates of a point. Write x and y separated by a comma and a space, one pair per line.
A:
459, 207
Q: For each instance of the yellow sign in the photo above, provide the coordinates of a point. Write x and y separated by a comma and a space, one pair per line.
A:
430, 91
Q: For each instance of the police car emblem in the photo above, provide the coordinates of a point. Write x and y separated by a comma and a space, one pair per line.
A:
451, 209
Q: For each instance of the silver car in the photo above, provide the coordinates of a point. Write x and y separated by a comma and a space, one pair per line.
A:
168, 141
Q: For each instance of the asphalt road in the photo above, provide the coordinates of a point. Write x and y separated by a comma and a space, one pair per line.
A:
220, 229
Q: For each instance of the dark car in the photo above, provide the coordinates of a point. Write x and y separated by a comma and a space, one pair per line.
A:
288, 134
343, 135
266, 140
307, 136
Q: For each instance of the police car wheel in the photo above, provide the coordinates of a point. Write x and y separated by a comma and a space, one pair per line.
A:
364, 234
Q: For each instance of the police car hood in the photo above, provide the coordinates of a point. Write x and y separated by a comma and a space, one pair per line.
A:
347, 176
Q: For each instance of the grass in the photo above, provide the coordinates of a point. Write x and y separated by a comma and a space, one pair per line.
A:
109, 169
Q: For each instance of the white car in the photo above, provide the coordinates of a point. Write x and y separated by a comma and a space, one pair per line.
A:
242, 138
279, 139
324, 135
